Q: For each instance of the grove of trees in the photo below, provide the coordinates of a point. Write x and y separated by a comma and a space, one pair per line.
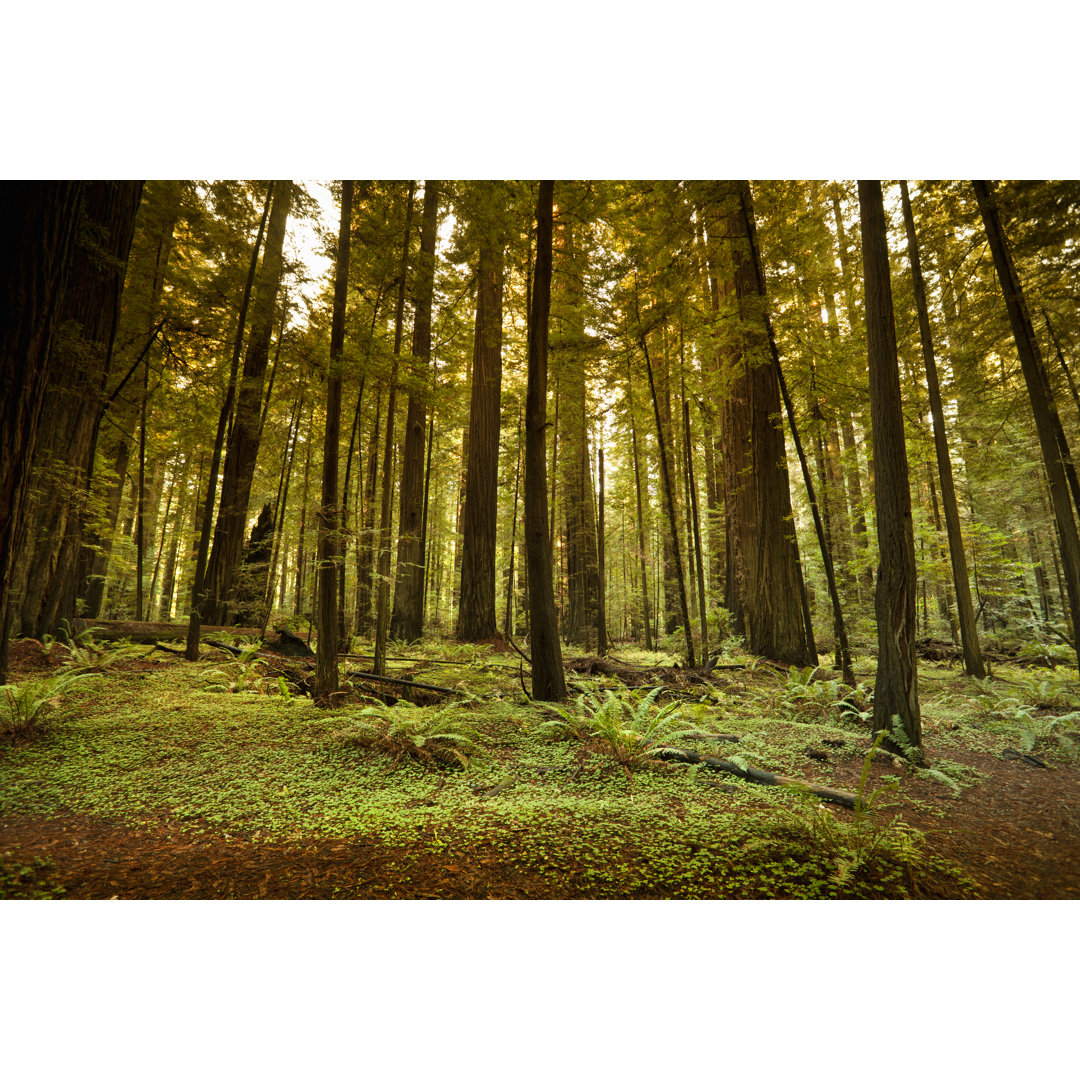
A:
816, 417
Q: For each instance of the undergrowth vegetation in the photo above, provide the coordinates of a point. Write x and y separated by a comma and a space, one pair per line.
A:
571, 797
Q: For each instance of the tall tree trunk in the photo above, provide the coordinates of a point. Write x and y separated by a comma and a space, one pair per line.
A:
407, 618
198, 598
476, 610
896, 687
326, 661
766, 585
75, 403
601, 595
1041, 402
693, 511
548, 679
38, 222
669, 500
508, 625
642, 540
382, 602
969, 635
243, 445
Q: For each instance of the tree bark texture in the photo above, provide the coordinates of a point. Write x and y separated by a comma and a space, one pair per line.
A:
969, 635
895, 597
326, 662
476, 610
1039, 393
38, 222
548, 679
407, 618
243, 445
766, 586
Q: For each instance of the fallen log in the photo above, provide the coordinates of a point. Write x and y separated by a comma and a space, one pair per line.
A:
755, 776
115, 629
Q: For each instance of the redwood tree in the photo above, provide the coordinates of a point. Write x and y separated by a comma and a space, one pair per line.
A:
895, 688
548, 679
326, 669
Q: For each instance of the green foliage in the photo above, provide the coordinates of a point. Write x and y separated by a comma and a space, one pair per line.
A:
28, 705
629, 728
855, 844
429, 736
242, 675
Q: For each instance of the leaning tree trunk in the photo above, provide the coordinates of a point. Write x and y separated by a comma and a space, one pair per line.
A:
476, 610
969, 634
1038, 391
407, 618
548, 679
326, 662
191, 650
244, 437
896, 692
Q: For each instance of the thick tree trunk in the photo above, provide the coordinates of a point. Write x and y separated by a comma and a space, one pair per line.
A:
969, 635
548, 679
38, 222
896, 687
243, 445
765, 586
407, 618
476, 609
326, 661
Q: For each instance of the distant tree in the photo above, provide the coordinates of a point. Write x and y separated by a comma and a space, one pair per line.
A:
407, 618
476, 611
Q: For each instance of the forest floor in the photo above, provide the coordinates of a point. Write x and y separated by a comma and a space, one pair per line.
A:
158, 779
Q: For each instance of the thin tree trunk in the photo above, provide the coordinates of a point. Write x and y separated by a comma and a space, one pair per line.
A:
1038, 391
969, 635
191, 651
326, 661
641, 539
601, 595
669, 497
242, 449
382, 604
507, 622
693, 508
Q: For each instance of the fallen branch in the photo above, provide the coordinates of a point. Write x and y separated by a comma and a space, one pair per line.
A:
402, 682
755, 776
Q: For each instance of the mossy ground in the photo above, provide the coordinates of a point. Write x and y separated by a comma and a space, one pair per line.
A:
152, 745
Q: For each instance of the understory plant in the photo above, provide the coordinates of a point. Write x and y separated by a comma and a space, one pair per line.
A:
27, 706
628, 728
243, 674
429, 736
854, 844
